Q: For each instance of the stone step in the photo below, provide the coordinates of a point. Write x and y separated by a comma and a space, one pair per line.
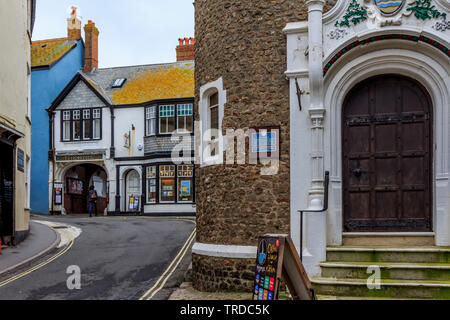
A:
403, 239
395, 289
440, 255
388, 270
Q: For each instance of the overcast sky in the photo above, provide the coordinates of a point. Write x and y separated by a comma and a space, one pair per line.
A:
132, 32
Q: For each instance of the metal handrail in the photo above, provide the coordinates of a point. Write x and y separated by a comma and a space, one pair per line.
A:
325, 208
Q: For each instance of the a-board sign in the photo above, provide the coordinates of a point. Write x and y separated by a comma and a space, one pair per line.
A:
277, 260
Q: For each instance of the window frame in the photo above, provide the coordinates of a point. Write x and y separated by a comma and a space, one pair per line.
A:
158, 184
71, 123
158, 118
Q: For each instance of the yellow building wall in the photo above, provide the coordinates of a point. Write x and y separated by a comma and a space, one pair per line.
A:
14, 91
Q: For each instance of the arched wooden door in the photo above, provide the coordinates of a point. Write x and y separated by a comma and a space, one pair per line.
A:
387, 156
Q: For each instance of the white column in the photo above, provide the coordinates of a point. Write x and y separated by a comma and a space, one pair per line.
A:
315, 228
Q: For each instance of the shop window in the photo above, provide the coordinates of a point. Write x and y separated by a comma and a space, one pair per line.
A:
184, 114
151, 184
185, 183
150, 120
166, 119
167, 183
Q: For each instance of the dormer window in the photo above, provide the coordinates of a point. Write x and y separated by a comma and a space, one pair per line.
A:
118, 83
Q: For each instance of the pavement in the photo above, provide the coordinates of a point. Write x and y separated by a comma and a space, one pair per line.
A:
41, 241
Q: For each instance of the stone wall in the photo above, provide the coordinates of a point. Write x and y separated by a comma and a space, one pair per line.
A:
243, 42
220, 274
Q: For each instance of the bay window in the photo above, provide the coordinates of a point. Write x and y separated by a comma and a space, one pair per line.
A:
184, 114
150, 120
166, 119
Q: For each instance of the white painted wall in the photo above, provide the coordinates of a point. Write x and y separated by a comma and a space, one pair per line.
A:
125, 119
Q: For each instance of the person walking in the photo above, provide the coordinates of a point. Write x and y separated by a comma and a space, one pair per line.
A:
92, 201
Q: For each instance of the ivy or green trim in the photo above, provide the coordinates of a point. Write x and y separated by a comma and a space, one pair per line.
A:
424, 10
355, 14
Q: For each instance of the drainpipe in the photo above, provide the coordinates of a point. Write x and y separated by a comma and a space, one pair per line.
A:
52, 155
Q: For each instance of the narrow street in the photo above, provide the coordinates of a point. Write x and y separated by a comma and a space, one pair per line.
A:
119, 259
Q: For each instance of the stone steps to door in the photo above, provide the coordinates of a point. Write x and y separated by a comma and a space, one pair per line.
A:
389, 288
389, 254
400, 271
404, 273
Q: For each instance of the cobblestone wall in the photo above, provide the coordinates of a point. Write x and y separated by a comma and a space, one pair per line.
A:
243, 42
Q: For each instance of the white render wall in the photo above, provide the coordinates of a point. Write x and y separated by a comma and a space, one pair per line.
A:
125, 119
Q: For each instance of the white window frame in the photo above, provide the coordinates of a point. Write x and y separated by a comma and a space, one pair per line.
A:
96, 118
185, 117
204, 145
74, 119
166, 118
174, 179
87, 116
151, 117
66, 121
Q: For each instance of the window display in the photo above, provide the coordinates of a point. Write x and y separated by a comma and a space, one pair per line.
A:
151, 184
185, 183
167, 183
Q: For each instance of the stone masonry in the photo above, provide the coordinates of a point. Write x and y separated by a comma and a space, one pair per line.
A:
243, 42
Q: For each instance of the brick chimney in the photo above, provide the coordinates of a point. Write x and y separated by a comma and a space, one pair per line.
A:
91, 46
186, 49
74, 26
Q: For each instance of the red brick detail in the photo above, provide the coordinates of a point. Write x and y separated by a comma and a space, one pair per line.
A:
186, 49
91, 47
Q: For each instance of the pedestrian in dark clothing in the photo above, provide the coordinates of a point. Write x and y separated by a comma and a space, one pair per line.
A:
92, 201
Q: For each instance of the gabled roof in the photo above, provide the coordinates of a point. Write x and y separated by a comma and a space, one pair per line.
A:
80, 76
146, 82
143, 83
44, 53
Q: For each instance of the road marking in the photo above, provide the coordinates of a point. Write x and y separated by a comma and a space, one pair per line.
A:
27, 272
166, 275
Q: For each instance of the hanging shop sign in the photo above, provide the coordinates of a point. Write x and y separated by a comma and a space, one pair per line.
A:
277, 259
264, 142
58, 193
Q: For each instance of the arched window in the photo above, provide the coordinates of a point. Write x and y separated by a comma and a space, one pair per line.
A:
211, 109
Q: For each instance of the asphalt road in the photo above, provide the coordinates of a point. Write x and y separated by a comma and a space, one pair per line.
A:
119, 259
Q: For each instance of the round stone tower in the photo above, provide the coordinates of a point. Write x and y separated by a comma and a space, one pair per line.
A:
241, 56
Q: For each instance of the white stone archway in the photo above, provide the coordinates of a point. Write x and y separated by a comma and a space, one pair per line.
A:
414, 60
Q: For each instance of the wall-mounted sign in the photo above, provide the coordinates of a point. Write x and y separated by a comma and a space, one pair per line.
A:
264, 142
133, 203
58, 193
75, 186
83, 157
20, 160
277, 258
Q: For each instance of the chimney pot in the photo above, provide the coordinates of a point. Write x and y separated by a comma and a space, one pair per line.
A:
186, 49
73, 26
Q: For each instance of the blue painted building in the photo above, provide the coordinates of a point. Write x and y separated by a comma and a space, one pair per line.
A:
54, 62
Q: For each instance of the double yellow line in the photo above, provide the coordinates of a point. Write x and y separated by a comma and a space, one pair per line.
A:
170, 269
23, 274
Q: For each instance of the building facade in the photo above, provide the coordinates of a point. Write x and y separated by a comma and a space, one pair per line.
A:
358, 89
16, 20
54, 62
113, 129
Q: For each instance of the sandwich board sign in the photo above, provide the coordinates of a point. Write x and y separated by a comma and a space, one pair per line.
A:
277, 260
